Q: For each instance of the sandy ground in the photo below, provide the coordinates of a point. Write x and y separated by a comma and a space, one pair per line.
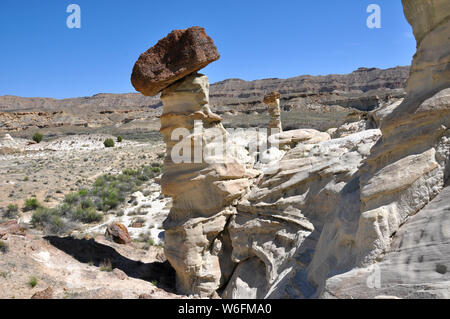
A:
74, 267
49, 170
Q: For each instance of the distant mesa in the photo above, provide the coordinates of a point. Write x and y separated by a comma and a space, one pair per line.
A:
174, 57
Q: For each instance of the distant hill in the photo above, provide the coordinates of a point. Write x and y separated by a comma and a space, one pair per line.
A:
236, 94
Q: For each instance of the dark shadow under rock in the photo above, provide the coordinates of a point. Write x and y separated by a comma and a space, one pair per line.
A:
90, 251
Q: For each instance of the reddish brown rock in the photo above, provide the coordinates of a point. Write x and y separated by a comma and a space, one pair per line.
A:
273, 101
44, 294
179, 54
272, 97
11, 227
118, 233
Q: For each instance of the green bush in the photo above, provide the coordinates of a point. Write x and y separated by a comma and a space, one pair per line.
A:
32, 282
49, 219
31, 204
37, 137
107, 193
119, 139
89, 215
109, 142
71, 198
86, 203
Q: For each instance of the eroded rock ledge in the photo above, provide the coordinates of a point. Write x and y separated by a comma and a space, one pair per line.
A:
320, 217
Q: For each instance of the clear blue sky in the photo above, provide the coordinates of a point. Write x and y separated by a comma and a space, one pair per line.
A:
40, 56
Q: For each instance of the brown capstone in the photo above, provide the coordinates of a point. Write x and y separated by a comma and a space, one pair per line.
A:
179, 54
272, 97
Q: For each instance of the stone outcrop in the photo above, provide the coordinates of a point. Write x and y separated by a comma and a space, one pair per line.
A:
203, 173
416, 265
316, 225
179, 54
273, 102
327, 210
118, 233
279, 223
409, 167
203, 190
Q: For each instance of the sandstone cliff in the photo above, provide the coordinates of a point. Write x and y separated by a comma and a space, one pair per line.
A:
331, 214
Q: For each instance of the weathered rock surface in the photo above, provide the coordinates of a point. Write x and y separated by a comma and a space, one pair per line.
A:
294, 137
325, 211
417, 264
273, 102
203, 184
279, 223
409, 166
179, 54
118, 233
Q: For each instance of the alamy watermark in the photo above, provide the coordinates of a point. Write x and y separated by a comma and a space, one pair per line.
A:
374, 19
218, 146
74, 19
373, 280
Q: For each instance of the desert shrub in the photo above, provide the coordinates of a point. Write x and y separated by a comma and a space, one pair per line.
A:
109, 142
106, 265
11, 211
71, 198
3, 247
83, 192
107, 193
50, 220
156, 170
37, 137
119, 139
31, 204
89, 215
32, 282
86, 203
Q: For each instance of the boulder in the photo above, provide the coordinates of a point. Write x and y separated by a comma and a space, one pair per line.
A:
179, 54
118, 233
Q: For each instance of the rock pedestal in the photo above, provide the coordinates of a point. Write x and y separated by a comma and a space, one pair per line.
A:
273, 102
202, 172
203, 181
